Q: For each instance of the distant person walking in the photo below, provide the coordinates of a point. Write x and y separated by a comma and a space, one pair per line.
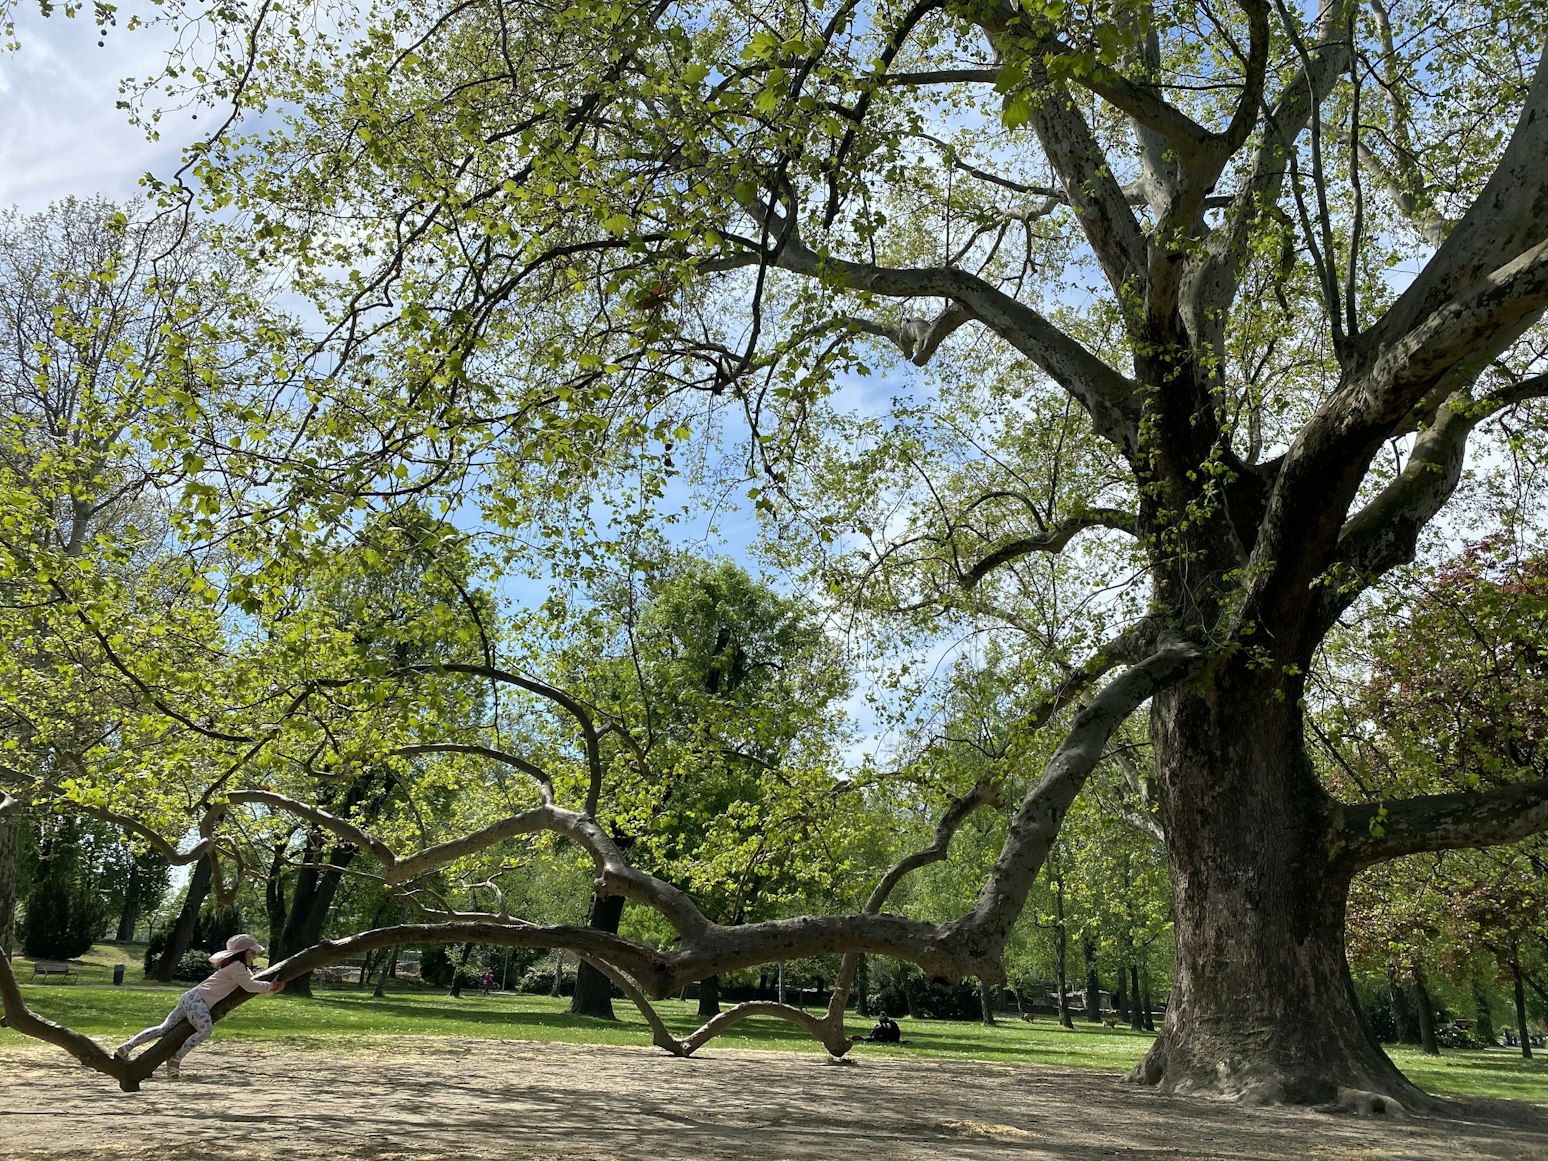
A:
233, 971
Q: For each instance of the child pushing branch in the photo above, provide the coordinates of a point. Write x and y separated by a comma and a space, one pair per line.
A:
233, 971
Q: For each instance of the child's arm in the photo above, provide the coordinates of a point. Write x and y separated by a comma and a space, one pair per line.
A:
244, 980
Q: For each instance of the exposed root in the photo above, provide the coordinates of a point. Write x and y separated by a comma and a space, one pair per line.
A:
1368, 1104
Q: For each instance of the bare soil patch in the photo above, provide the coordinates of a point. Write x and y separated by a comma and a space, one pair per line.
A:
440, 1100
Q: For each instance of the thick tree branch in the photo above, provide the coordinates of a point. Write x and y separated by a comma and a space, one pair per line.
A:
1385, 533
1036, 823
1505, 223
1108, 397
985, 793
1372, 833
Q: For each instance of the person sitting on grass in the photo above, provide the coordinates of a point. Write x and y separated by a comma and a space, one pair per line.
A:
885, 1032
233, 971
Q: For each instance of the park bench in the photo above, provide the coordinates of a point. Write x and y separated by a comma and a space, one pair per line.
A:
50, 967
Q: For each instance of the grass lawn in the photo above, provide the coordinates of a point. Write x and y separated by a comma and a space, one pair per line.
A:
344, 1019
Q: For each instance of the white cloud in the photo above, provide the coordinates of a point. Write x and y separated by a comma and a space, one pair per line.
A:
61, 132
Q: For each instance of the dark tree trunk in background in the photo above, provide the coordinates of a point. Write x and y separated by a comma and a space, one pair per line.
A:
709, 996
1483, 1016
462, 962
1521, 1012
1427, 1041
181, 936
593, 990
1403, 1017
310, 901
1061, 951
863, 987
986, 1001
390, 968
557, 986
10, 853
1137, 1010
129, 915
1093, 984
1262, 1006
274, 895
1149, 1018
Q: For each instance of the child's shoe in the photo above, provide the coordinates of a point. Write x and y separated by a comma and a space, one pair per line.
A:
121, 1053
174, 1070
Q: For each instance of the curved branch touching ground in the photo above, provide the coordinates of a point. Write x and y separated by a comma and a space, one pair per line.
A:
584, 941
20, 1018
824, 1029
828, 1029
660, 1034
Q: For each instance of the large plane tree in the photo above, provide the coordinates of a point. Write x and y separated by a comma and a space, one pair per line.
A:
1239, 283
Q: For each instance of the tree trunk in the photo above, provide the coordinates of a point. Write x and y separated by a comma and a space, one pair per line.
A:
1521, 1012
274, 895
1403, 1018
390, 968
182, 933
593, 990
1483, 1016
709, 996
1061, 951
1136, 1012
462, 962
863, 987
129, 916
1148, 1021
10, 852
1262, 1007
1121, 992
1093, 984
986, 1001
310, 901
1427, 1042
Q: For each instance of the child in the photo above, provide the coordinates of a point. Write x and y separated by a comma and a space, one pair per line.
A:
234, 970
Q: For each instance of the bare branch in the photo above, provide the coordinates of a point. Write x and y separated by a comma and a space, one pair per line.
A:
1053, 540
985, 793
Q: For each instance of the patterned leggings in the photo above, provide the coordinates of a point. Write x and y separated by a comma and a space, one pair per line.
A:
190, 1007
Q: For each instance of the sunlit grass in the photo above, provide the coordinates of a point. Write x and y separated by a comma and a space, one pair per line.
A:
344, 1020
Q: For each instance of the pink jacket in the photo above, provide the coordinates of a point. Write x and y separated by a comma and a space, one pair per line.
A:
227, 980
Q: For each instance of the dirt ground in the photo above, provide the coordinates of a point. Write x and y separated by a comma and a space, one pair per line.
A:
459, 1100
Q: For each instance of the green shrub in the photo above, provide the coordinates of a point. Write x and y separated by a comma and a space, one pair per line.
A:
64, 918
194, 966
